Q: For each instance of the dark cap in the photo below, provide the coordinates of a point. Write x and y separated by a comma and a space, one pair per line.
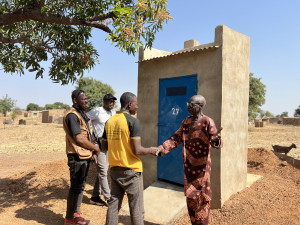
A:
109, 96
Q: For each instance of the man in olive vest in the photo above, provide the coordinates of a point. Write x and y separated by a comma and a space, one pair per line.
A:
79, 149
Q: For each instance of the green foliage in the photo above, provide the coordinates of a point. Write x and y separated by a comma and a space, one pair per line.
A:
269, 114
33, 107
6, 104
284, 114
32, 32
257, 93
57, 105
95, 90
14, 113
297, 112
265, 113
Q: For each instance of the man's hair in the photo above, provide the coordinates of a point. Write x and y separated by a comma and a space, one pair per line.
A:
126, 98
76, 93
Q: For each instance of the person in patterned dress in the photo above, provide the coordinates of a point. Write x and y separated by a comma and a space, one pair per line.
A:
198, 134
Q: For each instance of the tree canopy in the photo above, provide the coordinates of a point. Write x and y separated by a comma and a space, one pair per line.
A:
266, 113
57, 105
35, 31
284, 114
33, 107
257, 93
297, 112
6, 104
95, 90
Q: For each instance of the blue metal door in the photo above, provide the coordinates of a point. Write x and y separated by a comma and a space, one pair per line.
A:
173, 95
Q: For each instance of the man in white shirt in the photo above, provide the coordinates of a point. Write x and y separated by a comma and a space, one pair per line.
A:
99, 116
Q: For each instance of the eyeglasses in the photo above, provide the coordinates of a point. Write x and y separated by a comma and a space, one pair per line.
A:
193, 104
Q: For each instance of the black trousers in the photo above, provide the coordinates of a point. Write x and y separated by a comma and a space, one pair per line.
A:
78, 176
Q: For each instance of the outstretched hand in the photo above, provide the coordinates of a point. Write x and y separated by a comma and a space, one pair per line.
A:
153, 150
217, 137
159, 150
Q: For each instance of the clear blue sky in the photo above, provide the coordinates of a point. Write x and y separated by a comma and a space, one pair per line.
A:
273, 27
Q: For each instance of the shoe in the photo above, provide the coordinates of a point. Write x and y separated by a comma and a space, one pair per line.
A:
69, 222
81, 221
77, 214
77, 221
97, 201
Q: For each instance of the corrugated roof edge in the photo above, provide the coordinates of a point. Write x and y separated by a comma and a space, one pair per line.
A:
193, 49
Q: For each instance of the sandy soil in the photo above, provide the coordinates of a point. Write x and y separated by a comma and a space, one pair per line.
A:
34, 180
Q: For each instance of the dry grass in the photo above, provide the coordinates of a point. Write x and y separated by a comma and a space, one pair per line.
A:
32, 138
275, 134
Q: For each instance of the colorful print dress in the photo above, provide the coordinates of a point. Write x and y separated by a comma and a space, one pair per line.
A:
196, 139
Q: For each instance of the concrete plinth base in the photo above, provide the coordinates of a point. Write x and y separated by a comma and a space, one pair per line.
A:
163, 202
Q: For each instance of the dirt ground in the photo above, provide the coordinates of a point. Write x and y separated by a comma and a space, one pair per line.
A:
34, 180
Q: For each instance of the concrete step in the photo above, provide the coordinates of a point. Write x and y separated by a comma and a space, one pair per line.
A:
163, 202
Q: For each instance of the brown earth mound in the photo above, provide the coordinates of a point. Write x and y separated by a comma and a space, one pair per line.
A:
273, 199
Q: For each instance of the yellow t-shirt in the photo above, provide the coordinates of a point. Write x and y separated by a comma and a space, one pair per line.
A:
118, 132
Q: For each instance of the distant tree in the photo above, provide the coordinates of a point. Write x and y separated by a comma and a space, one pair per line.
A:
13, 115
15, 112
33, 107
49, 106
297, 112
266, 113
257, 93
57, 105
35, 31
6, 104
95, 90
284, 114
269, 114
60, 105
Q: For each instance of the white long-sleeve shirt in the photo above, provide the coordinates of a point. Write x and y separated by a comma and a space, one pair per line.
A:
98, 117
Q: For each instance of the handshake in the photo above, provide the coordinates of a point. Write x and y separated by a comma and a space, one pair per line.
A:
155, 151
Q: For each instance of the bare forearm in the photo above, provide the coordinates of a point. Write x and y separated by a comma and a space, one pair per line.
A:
144, 151
140, 150
85, 143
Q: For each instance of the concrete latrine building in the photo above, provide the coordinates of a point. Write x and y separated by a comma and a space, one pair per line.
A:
166, 80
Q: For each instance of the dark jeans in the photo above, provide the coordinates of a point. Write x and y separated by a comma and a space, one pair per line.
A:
129, 181
78, 176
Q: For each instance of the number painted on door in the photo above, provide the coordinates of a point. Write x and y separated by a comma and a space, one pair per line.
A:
175, 111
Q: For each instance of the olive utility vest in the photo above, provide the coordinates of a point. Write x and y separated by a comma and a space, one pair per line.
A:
71, 146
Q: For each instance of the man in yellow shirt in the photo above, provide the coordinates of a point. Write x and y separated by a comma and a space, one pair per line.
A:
122, 139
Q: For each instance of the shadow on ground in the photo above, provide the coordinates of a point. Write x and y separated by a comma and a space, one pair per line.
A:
40, 215
290, 160
30, 190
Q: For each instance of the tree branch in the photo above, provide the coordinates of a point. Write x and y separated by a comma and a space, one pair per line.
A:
32, 29
27, 41
33, 12
101, 17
